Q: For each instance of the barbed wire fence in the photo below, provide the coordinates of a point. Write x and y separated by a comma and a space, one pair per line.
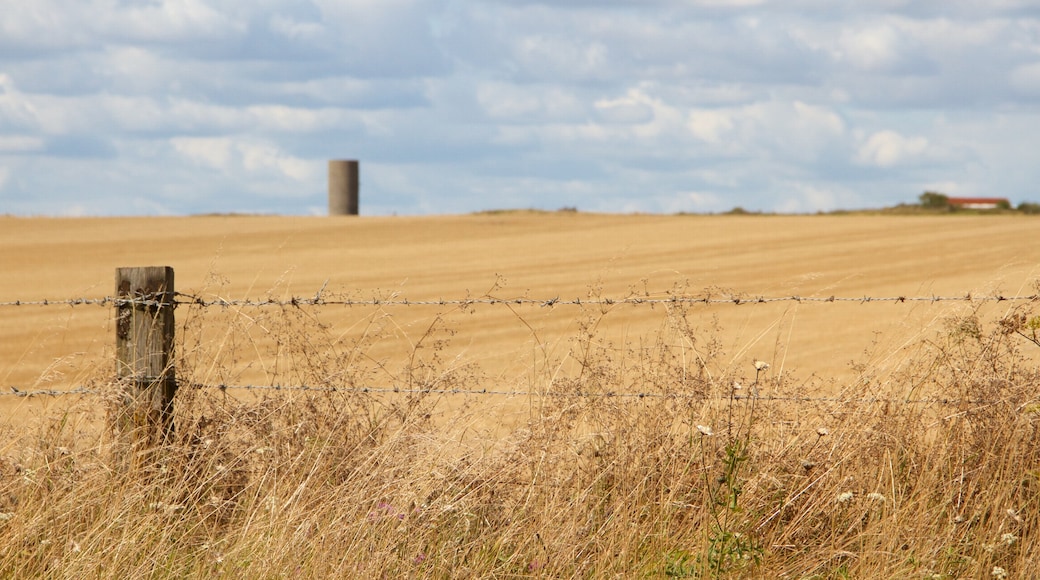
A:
317, 300
621, 396
177, 299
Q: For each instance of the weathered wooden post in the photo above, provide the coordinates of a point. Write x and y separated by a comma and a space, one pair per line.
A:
343, 187
144, 351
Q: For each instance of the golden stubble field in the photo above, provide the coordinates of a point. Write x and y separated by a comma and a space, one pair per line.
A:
506, 255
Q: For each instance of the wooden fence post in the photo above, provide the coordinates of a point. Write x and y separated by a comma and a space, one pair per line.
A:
144, 351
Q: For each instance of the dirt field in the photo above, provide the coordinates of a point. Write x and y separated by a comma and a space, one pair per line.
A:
538, 255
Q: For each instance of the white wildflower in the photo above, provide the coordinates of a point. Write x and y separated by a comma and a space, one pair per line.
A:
706, 431
737, 386
844, 497
822, 432
874, 496
6, 516
1009, 538
761, 365
999, 573
1014, 515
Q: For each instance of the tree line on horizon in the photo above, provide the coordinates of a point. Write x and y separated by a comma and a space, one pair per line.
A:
934, 200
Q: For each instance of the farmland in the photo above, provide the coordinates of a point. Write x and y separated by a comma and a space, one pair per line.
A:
569, 256
530, 484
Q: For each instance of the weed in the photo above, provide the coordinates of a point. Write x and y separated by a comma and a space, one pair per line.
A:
930, 474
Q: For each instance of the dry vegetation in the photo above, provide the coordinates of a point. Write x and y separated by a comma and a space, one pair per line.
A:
719, 474
921, 461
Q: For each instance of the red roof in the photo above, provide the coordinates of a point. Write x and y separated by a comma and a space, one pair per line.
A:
977, 200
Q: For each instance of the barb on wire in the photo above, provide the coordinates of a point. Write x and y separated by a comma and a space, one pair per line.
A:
319, 300
940, 401
943, 401
105, 301
16, 392
675, 299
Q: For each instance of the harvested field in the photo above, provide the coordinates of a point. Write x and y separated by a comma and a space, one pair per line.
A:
536, 255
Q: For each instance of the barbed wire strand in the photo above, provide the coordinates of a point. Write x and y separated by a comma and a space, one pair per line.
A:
943, 401
317, 300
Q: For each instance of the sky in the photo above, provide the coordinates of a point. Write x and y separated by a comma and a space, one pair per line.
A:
180, 107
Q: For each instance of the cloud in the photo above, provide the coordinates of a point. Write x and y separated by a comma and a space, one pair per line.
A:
258, 159
653, 105
889, 148
14, 144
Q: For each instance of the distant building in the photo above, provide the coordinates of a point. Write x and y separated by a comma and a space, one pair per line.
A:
979, 202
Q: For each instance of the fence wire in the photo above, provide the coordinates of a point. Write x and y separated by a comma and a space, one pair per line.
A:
318, 300
181, 299
939, 401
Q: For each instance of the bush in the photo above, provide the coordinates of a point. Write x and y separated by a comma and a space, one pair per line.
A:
933, 200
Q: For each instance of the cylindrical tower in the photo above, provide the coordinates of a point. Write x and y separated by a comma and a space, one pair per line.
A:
343, 187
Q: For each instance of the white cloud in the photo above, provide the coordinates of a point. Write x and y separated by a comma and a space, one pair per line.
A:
212, 152
21, 144
1026, 79
296, 30
869, 48
889, 148
256, 158
634, 107
710, 126
660, 105
789, 130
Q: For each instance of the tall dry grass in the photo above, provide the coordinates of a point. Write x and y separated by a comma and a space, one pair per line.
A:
723, 473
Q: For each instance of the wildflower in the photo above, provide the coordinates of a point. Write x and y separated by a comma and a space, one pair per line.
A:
844, 497
1014, 515
385, 510
737, 386
6, 516
822, 431
706, 431
761, 365
419, 558
874, 496
1008, 538
999, 573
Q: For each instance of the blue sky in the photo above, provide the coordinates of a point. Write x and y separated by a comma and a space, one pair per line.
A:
175, 107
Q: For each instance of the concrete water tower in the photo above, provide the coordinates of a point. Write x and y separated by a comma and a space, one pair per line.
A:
343, 187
